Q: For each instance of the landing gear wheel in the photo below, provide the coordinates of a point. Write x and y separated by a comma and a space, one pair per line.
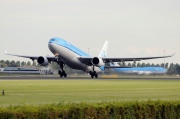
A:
90, 72
59, 72
62, 73
93, 74
96, 75
65, 75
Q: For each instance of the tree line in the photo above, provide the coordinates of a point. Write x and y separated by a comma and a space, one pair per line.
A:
171, 68
13, 63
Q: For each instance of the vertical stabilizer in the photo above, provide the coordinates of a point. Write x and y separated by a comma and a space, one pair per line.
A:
103, 52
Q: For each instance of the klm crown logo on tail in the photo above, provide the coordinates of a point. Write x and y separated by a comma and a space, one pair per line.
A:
103, 52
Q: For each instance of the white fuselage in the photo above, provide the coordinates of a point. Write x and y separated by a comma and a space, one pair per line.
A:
70, 58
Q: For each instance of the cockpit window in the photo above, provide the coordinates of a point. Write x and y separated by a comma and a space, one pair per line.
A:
52, 40
58, 41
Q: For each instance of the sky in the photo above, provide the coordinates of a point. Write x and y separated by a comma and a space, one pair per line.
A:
134, 28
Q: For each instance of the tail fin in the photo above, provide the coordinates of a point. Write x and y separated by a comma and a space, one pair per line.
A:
103, 52
5, 52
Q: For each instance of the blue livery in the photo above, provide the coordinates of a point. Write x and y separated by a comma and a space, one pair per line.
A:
62, 42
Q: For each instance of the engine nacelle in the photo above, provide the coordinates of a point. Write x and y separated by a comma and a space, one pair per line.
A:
43, 61
97, 61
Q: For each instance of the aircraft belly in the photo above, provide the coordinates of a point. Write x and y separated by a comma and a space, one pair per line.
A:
68, 57
90, 68
74, 63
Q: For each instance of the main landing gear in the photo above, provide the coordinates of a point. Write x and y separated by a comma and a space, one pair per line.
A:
62, 73
93, 73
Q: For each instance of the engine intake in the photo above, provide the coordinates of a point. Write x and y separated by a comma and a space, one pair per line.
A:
43, 61
97, 61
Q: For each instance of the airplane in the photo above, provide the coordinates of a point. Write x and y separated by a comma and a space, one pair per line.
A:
139, 70
67, 54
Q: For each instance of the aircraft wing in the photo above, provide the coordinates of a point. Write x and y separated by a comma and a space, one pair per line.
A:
87, 60
50, 58
132, 59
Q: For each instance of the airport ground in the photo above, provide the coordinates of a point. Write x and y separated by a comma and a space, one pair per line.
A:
86, 76
37, 90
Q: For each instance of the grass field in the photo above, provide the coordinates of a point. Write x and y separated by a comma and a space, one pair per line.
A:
37, 92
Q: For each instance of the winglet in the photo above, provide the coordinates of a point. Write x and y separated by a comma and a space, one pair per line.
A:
5, 52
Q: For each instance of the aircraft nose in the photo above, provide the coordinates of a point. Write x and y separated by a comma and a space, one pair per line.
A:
52, 40
50, 45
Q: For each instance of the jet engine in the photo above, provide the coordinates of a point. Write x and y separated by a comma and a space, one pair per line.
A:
97, 61
43, 61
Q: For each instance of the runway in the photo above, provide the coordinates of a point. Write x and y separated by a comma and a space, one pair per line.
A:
56, 77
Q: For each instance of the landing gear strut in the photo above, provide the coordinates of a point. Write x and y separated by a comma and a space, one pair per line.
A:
62, 73
93, 73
